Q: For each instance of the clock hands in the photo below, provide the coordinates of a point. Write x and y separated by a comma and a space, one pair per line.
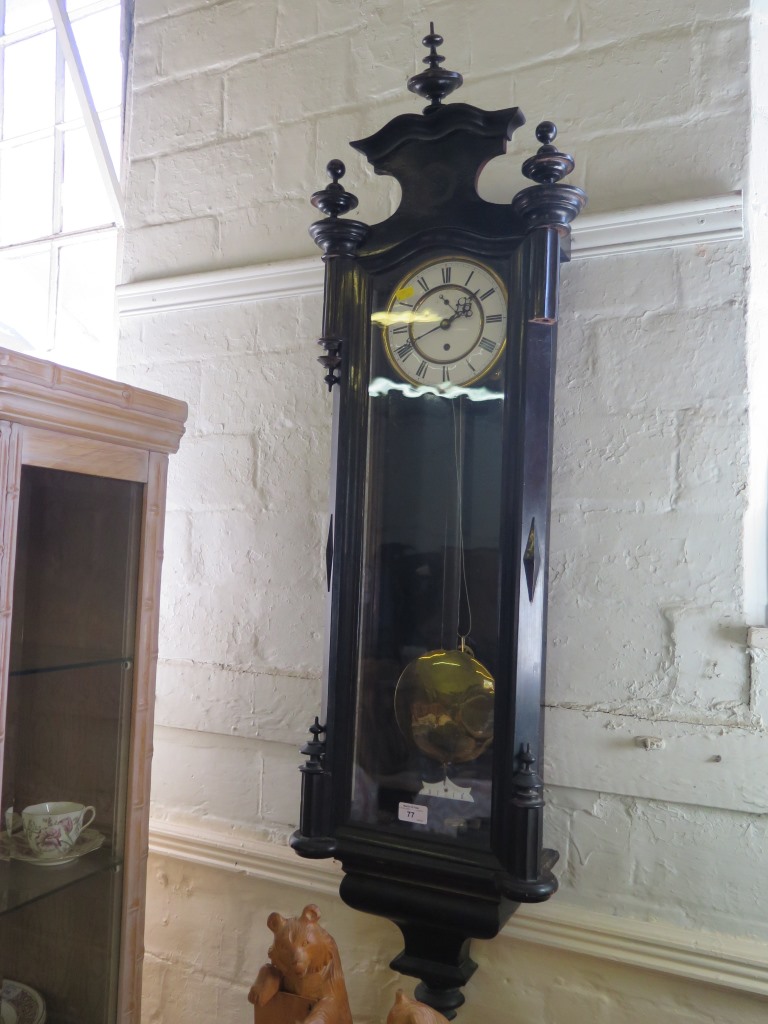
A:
441, 326
445, 323
463, 308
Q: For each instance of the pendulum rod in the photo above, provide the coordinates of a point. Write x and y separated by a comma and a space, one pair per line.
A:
462, 588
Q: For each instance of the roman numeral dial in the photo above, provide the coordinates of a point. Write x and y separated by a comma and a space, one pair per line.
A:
446, 323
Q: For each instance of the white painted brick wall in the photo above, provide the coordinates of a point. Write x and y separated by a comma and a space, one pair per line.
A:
237, 107
516, 982
639, 95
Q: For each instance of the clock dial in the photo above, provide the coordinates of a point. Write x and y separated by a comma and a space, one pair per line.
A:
446, 323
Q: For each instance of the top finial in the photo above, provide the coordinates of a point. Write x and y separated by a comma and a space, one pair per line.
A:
433, 40
435, 83
546, 132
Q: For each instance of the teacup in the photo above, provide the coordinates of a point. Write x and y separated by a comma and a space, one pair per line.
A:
52, 828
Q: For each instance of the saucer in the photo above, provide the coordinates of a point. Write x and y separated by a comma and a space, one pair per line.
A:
21, 1004
88, 841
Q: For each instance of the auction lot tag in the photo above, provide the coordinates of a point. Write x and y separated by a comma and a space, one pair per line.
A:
415, 813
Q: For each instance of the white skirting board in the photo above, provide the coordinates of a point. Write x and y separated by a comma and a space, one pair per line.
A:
714, 219
726, 960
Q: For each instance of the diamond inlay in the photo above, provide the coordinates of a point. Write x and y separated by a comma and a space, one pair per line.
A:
532, 560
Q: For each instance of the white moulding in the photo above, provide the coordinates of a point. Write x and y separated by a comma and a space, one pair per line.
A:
718, 218
220, 287
710, 957
713, 958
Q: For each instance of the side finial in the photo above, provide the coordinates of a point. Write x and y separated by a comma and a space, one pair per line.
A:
334, 236
337, 238
435, 83
334, 200
549, 165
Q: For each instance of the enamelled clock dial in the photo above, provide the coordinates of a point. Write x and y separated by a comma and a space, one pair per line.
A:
446, 322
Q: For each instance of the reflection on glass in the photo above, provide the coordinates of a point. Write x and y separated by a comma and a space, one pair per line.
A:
444, 705
429, 626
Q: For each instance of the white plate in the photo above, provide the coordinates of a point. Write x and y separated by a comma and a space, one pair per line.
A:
21, 1004
88, 841
7, 1013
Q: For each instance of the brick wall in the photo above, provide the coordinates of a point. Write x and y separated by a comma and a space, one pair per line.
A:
236, 107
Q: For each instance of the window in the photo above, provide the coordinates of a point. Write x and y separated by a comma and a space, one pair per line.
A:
61, 104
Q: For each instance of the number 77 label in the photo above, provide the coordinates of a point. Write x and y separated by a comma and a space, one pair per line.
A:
415, 813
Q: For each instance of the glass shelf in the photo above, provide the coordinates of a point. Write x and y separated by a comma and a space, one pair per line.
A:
22, 883
59, 659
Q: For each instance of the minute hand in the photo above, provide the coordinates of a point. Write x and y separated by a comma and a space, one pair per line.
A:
443, 325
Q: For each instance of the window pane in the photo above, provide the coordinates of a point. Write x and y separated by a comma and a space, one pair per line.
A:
24, 314
25, 13
73, 6
29, 83
84, 195
72, 109
86, 326
47, 160
26, 191
98, 40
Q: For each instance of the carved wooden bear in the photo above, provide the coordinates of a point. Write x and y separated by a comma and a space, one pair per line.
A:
409, 1011
304, 963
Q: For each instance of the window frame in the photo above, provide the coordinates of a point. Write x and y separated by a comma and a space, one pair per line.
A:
67, 56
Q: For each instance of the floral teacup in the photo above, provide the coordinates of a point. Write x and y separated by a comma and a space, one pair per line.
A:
52, 828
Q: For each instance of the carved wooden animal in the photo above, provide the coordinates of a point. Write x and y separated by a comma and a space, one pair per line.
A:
409, 1011
304, 962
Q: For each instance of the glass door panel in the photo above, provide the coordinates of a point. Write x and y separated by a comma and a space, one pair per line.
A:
67, 734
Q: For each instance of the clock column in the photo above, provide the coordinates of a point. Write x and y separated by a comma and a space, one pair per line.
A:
546, 211
339, 240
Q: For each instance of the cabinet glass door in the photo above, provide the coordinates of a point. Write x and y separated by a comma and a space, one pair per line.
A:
68, 718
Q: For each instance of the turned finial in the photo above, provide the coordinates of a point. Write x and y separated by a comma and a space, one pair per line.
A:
334, 199
435, 83
548, 165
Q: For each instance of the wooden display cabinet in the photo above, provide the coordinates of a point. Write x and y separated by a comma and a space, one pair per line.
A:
83, 465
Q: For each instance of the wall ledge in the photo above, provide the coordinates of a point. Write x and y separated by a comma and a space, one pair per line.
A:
715, 219
710, 957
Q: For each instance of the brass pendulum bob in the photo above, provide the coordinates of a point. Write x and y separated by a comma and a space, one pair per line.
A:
444, 705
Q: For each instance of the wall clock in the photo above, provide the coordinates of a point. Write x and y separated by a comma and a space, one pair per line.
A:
439, 325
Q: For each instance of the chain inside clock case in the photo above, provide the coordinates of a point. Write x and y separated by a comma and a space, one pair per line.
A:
423, 774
